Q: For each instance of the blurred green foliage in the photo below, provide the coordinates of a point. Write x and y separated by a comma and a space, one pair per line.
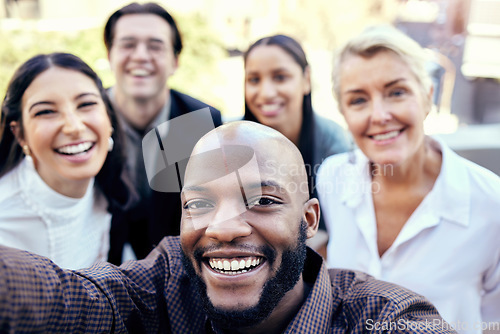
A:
198, 60
198, 70
20, 45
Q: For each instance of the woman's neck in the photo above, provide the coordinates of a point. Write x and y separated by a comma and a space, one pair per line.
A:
73, 189
292, 130
422, 168
69, 188
140, 112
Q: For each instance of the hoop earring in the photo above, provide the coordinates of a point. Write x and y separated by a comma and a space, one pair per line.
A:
26, 150
111, 144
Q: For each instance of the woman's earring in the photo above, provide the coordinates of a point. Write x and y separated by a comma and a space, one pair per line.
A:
111, 144
26, 150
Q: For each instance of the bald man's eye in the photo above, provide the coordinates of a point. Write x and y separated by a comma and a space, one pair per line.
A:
262, 202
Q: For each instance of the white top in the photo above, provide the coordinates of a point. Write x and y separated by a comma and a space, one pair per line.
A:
72, 232
448, 250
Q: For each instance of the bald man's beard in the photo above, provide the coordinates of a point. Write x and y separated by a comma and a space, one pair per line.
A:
287, 276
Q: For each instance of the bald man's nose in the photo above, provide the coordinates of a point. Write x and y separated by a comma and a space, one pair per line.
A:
228, 231
229, 222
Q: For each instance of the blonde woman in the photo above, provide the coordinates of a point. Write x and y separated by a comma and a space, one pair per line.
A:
404, 207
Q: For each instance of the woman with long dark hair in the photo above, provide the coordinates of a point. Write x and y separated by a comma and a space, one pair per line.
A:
278, 94
60, 162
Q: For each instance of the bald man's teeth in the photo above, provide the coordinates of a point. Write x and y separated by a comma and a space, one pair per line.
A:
234, 266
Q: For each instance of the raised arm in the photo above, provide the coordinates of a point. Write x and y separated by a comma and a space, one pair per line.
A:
38, 296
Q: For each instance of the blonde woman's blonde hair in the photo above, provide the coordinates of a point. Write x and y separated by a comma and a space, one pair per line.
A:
384, 38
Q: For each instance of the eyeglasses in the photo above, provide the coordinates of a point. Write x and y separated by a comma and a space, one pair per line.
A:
154, 47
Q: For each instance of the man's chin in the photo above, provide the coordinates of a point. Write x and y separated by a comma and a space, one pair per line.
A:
142, 96
142, 92
225, 315
236, 316
238, 305
239, 315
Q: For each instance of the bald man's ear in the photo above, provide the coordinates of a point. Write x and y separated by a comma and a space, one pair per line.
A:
311, 216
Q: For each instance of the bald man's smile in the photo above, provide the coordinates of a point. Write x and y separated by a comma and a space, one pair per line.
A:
244, 225
239, 264
228, 269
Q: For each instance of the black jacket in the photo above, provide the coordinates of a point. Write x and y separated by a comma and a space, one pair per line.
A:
144, 225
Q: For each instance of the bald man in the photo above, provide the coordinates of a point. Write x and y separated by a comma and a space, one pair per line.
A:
240, 265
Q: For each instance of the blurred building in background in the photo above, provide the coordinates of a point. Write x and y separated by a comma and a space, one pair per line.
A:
463, 36
467, 33
320, 25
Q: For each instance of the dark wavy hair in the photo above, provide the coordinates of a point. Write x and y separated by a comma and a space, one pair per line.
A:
294, 49
144, 8
111, 179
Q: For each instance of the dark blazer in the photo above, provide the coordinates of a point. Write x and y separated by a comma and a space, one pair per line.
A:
150, 220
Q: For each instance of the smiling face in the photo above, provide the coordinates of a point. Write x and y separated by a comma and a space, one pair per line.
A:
142, 56
384, 107
241, 256
65, 126
275, 86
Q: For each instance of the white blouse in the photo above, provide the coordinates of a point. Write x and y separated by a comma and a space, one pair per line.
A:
448, 250
72, 232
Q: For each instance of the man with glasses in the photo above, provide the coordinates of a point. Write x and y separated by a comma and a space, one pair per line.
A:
143, 45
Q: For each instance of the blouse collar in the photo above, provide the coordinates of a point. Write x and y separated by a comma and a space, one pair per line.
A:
46, 199
451, 190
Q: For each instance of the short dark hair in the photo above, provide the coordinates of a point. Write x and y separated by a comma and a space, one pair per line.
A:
111, 179
145, 8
